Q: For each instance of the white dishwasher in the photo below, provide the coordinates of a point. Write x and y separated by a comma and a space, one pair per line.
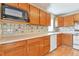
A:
76, 41
53, 42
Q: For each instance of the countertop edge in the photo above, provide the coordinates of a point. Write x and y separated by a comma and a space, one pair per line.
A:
6, 40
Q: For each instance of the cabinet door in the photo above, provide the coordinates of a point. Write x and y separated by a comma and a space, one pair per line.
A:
69, 20
41, 47
76, 17
42, 18
59, 40
33, 47
48, 20
13, 4
1, 51
38, 46
24, 6
67, 39
47, 41
34, 15
60, 21
44, 45
14, 49
19, 51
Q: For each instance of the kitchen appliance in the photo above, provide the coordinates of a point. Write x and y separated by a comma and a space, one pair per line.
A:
76, 41
53, 42
14, 13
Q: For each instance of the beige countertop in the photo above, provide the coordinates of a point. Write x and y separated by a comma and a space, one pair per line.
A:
11, 39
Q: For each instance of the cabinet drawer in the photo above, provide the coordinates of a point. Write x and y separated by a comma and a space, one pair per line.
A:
13, 45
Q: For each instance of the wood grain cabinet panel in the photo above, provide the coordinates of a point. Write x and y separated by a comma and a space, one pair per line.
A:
59, 40
33, 47
44, 45
18, 51
13, 4
13, 45
38, 46
24, 6
41, 47
1, 51
67, 39
34, 15
43, 18
48, 21
14, 49
60, 21
76, 17
69, 20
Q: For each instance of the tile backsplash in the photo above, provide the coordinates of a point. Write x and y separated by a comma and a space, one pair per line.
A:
66, 29
8, 29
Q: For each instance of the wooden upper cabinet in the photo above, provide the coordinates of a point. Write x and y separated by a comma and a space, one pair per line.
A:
59, 40
69, 20
76, 17
67, 39
34, 15
43, 17
48, 20
60, 21
13, 4
24, 6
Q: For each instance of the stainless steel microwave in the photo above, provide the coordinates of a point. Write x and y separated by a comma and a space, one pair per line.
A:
14, 13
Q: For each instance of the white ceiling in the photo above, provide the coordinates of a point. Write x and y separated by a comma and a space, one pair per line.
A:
42, 5
59, 8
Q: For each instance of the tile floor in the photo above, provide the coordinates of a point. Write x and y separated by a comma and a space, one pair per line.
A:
64, 51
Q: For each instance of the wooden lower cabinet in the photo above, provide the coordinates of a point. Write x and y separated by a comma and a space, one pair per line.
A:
1, 52
67, 39
64, 39
14, 49
19, 51
44, 45
31, 47
38, 46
